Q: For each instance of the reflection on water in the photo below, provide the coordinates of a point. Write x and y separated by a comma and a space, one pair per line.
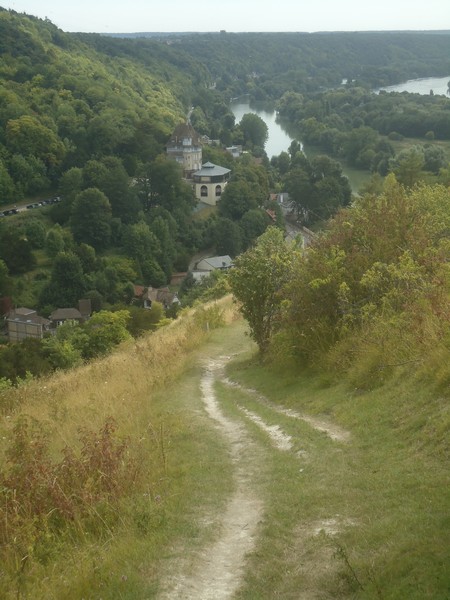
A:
279, 139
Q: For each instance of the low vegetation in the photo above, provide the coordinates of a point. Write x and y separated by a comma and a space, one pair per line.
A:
93, 456
365, 518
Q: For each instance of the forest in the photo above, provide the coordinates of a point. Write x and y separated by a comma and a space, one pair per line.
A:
85, 118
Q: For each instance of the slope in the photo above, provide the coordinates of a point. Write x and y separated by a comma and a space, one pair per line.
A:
246, 483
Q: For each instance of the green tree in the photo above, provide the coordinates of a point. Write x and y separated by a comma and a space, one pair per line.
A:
90, 220
435, 159
228, 237
301, 190
284, 162
26, 135
54, 242
70, 185
114, 182
67, 283
22, 359
7, 187
237, 198
160, 185
140, 242
254, 129
106, 330
407, 166
253, 224
36, 233
152, 273
167, 251
29, 173
87, 256
144, 319
256, 281
64, 349
16, 251
5, 280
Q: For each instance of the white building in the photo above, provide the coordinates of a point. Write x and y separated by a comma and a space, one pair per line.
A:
209, 182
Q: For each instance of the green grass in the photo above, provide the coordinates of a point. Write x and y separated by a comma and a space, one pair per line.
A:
389, 485
152, 390
366, 518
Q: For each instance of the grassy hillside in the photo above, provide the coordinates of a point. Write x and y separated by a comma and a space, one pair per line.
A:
361, 518
379, 503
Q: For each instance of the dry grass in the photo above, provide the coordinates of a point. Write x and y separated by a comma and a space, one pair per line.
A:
61, 411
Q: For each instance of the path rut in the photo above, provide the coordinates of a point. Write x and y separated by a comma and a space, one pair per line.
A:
218, 569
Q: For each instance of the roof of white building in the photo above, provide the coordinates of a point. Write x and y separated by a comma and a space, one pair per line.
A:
211, 170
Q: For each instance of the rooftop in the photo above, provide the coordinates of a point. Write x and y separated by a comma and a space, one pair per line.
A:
211, 170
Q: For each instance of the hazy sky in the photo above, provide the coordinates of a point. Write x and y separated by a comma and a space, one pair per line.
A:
238, 15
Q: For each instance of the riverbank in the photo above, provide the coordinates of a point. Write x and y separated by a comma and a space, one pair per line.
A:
281, 133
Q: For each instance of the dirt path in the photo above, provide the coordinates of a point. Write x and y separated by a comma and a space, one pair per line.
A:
332, 430
218, 569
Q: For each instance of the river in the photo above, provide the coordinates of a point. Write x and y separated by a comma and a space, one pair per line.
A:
439, 85
281, 134
278, 139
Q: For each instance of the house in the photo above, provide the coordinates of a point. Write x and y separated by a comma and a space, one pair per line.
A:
185, 148
235, 151
209, 182
204, 267
177, 278
162, 295
61, 315
79, 315
22, 323
286, 205
146, 296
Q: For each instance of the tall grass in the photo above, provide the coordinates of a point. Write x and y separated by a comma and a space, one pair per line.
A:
84, 453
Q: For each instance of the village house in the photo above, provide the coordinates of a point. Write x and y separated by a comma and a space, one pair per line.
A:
62, 315
205, 266
22, 323
78, 315
209, 182
146, 296
235, 151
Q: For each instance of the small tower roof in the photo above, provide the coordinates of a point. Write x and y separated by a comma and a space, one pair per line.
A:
182, 131
209, 169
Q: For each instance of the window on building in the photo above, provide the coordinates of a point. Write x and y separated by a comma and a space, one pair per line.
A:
203, 191
218, 190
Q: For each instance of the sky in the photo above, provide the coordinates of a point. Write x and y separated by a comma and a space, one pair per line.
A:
120, 16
